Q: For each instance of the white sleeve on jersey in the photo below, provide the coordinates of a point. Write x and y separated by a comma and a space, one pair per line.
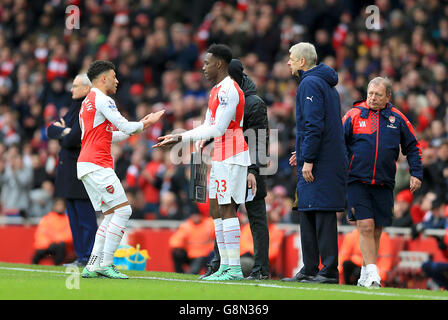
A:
194, 131
109, 110
118, 136
225, 113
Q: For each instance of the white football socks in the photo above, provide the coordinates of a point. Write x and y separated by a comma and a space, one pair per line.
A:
98, 246
363, 275
231, 228
115, 231
220, 241
372, 269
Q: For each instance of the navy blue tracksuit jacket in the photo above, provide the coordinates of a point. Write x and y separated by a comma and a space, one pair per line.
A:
373, 140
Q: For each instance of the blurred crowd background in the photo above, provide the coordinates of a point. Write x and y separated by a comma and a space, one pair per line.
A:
157, 47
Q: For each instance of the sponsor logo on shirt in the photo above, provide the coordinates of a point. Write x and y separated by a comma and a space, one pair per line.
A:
109, 128
112, 104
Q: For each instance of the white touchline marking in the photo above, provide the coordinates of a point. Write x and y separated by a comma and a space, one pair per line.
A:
266, 285
300, 288
31, 270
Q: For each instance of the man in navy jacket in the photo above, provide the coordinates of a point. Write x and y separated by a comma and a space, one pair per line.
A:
374, 130
80, 211
321, 164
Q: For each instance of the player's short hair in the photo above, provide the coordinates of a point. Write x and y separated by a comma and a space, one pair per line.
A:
98, 67
221, 51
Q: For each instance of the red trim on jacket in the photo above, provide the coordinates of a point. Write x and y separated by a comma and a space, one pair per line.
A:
411, 129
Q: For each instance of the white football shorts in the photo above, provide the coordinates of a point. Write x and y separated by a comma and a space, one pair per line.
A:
227, 181
104, 189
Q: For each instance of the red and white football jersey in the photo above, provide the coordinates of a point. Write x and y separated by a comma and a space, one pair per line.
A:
224, 123
99, 118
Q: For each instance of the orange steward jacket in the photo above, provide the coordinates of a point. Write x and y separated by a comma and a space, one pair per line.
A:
52, 228
196, 239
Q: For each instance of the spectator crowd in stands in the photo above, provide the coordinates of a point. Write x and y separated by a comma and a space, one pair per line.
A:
157, 47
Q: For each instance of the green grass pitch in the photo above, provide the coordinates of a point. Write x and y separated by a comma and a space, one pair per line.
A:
32, 282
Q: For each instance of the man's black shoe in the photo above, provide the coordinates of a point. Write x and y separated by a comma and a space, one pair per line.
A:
258, 276
321, 279
299, 277
209, 271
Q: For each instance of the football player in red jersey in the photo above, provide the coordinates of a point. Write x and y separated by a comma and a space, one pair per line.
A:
98, 119
230, 159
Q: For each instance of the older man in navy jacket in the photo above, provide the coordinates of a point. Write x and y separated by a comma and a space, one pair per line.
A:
374, 131
80, 211
321, 164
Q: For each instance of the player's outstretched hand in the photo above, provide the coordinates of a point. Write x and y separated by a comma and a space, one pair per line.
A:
152, 118
167, 141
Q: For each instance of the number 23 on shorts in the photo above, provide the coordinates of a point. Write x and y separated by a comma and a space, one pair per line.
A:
223, 186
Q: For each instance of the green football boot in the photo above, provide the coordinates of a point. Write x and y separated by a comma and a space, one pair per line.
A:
110, 271
222, 269
231, 274
89, 274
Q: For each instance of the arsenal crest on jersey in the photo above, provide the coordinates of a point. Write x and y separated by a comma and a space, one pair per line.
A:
110, 189
392, 119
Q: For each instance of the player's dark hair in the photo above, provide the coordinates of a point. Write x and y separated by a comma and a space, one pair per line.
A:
221, 51
98, 67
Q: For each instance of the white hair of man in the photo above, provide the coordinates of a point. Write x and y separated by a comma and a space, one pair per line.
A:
384, 81
305, 50
85, 79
